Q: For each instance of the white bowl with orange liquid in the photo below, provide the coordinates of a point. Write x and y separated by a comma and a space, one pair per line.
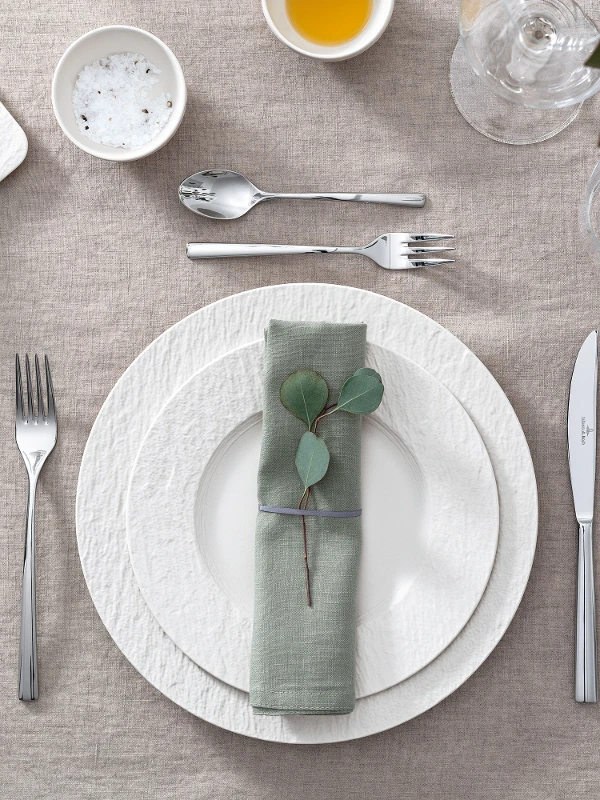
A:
329, 30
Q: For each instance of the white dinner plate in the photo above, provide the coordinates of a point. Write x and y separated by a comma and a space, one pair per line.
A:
168, 363
430, 519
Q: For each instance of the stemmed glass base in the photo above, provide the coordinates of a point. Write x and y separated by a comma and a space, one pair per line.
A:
497, 118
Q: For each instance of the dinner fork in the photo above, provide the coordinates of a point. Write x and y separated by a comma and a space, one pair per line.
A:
36, 436
390, 251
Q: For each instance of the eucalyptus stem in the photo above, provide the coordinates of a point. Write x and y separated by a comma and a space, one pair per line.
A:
326, 412
304, 500
306, 569
305, 393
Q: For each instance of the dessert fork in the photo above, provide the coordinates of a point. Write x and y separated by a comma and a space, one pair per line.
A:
390, 251
36, 436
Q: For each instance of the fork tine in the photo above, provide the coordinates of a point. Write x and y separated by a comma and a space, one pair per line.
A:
428, 237
29, 388
49, 390
427, 262
38, 382
411, 250
19, 384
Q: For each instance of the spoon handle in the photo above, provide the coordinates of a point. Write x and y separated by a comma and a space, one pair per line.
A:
414, 200
208, 250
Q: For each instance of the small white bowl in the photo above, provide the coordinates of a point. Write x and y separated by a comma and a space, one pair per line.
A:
276, 14
108, 41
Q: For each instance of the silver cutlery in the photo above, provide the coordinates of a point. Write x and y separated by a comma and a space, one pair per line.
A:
35, 434
390, 251
224, 194
582, 466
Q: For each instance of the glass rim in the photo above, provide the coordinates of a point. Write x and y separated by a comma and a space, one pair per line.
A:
567, 43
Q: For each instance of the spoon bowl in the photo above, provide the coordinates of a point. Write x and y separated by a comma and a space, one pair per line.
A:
219, 194
224, 194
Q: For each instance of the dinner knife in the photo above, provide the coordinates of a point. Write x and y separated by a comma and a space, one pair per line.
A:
582, 466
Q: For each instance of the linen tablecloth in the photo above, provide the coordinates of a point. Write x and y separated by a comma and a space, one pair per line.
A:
93, 269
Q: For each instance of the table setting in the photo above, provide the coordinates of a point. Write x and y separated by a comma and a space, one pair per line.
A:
330, 509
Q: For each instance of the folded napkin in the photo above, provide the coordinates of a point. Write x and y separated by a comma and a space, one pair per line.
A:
303, 658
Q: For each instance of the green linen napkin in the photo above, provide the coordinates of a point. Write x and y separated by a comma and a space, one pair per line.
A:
303, 658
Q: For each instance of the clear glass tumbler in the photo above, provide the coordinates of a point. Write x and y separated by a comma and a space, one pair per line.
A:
589, 212
518, 72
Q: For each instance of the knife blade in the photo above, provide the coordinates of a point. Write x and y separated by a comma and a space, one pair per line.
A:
582, 466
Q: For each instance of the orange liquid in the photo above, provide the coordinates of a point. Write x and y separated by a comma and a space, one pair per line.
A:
329, 22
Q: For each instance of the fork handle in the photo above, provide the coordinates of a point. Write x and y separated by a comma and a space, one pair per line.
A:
28, 672
586, 670
207, 250
414, 200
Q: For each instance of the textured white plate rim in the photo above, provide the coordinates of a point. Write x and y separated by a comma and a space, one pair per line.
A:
195, 690
180, 587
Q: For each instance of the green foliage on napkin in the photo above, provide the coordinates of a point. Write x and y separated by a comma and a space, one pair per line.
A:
312, 459
305, 393
361, 394
303, 658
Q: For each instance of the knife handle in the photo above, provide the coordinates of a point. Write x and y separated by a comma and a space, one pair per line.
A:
586, 670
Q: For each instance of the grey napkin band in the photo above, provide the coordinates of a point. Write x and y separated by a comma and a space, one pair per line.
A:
309, 512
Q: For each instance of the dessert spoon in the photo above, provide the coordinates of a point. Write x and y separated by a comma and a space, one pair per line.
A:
224, 194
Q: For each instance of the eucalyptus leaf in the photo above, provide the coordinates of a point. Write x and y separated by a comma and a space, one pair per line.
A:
312, 459
304, 393
361, 394
594, 59
368, 371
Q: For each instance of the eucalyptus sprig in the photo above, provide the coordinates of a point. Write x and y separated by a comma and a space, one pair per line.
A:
305, 394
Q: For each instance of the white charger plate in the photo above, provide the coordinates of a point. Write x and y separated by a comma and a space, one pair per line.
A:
430, 519
170, 361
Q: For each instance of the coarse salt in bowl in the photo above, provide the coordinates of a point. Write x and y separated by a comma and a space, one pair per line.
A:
164, 84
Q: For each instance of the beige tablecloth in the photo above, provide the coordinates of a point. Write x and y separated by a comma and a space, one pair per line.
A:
94, 268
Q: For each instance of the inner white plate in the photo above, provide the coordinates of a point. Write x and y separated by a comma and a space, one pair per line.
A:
430, 519
147, 385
